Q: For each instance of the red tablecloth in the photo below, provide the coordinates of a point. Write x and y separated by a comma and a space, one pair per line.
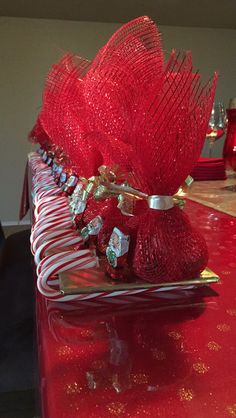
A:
159, 361
24, 203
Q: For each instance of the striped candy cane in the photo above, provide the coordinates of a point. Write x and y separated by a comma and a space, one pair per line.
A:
47, 236
67, 224
57, 244
50, 266
55, 209
48, 191
42, 221
49, 202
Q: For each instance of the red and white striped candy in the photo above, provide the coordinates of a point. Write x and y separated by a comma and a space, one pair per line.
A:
42, 221
67, 224
55, 209
39, 186
47, 236
49, 203
48, 199
48, 191
57, 244
50, 266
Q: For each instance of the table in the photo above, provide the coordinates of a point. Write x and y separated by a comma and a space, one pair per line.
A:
170, 359
218, 194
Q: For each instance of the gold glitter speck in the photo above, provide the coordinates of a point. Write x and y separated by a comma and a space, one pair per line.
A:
200, 368
186, 394
158, 354
213, 346
64, 351
223, 327
116, 408
98, 364
175, 335
231, 409
87, 333
231, 312
140, 378
72, 388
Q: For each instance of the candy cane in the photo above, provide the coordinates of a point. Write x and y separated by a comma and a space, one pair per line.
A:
41, 167
38, 186
43, 175
61, 259
51, 226
47, 236
49, 212
46, 192
49, 191
44, 183
52, 219
69, 260
48, 199
39, 206
57, 244
56, 209
52, 213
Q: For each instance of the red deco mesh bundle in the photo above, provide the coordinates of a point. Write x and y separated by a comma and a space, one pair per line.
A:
161, 112
168, 141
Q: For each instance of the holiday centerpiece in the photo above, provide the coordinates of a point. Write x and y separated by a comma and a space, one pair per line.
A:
119, 135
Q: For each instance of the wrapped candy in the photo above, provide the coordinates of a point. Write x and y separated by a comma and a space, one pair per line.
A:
70, 185
116, 252
91, 231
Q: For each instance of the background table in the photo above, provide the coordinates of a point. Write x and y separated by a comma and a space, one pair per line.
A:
168, 359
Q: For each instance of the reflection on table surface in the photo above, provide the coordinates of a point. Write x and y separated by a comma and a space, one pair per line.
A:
170, 356
218, 194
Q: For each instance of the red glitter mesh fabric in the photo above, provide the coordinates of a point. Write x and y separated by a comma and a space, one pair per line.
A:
120, 76
63, 115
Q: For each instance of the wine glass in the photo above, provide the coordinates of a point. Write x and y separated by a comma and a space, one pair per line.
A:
216, 125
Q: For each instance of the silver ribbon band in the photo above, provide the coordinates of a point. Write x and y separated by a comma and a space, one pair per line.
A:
160, 202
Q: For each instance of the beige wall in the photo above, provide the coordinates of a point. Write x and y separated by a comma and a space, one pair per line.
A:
29, 46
